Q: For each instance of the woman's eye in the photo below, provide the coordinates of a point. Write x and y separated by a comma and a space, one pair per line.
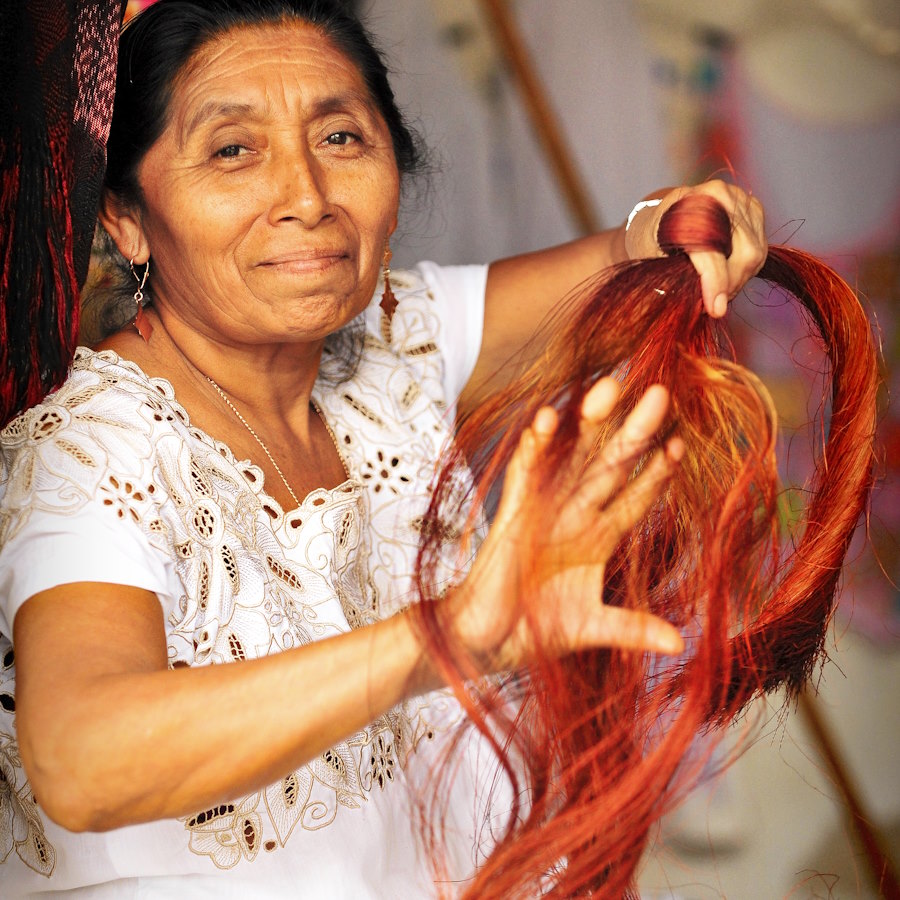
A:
230, 151
342, 138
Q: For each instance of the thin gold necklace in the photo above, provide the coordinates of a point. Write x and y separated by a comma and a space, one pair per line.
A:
265, 449
332, 435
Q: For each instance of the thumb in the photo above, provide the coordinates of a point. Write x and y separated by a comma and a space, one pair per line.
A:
629, 629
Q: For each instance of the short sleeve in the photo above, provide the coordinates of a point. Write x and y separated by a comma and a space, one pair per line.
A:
458, 293
77, 498
91, 544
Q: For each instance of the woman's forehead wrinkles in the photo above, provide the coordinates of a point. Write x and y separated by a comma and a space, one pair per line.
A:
296, 51
213, 109
323, 81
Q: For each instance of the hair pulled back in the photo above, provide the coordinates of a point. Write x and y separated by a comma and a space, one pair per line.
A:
157, 44
155, 47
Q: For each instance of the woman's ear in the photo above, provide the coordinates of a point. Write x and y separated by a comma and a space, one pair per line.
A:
123, 224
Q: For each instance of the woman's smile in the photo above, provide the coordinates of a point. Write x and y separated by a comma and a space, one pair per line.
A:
301, 262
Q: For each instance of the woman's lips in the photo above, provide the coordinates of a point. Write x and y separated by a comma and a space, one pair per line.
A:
313, 260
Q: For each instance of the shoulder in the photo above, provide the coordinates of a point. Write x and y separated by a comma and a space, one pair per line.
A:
96, 432
105, 407
410, 368
77, 481
440, 311
102, 392
444, 293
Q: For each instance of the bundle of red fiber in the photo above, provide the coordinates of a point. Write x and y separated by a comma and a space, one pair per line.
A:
602, 735
57, 67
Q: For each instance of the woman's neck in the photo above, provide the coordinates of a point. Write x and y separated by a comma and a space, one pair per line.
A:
256, 399
275, 379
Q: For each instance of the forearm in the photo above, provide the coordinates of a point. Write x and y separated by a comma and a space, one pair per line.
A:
532, 284
117, 748
521, 292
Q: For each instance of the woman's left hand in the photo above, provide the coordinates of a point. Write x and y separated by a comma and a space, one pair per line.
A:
537, 583
720, 278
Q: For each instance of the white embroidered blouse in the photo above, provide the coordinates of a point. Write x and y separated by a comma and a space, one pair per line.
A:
107, 480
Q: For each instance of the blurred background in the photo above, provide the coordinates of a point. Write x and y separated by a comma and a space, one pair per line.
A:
798, 101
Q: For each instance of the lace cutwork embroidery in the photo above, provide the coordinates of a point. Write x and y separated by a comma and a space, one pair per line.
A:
250, 579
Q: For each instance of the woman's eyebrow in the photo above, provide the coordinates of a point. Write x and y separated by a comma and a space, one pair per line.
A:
210, 110
346, 102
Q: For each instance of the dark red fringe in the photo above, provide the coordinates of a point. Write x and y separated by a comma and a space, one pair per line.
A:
51, 143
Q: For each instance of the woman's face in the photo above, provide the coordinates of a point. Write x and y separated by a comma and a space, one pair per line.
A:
270, 196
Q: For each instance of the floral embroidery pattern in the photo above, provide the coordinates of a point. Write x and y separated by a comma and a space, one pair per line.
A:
247, 578
381, 762
21, 828
228, 833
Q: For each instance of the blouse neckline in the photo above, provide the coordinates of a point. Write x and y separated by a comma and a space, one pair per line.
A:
85, 356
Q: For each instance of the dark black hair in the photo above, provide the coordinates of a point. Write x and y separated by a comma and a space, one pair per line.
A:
157, 44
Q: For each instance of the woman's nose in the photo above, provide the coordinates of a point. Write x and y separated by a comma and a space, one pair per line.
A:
300, 190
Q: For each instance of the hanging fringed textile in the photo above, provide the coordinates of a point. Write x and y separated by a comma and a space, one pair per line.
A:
57, 67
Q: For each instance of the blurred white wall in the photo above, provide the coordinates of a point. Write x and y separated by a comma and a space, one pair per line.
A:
493, 194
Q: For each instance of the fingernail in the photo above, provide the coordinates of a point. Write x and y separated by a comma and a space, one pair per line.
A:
675, 449
671, 643
720, 305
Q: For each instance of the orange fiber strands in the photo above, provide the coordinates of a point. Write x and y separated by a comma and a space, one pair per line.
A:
594, 743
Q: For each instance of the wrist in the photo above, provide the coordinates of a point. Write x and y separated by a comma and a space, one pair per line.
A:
641, 204
639, 230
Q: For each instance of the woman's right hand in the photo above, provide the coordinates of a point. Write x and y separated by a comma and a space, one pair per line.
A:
542, 582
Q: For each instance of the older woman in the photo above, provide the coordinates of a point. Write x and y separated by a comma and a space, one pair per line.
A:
239, 480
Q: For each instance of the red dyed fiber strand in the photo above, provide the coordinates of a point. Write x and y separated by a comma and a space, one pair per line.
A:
597, 740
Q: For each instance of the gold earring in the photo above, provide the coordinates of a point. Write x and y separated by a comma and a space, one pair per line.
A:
388, 300
141, 322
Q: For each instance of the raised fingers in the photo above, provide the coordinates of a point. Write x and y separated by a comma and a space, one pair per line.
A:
721, 278
714, 281
596, 407
599, 402
518, 483
631, 504
749, 243
615, 462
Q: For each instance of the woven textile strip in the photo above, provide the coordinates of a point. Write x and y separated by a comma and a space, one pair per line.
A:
57, 68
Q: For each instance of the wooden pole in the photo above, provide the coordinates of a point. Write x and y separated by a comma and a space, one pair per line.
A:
540, 111
883, 873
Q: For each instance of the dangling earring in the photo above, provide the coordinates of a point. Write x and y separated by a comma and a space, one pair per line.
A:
388, 300
141, 322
